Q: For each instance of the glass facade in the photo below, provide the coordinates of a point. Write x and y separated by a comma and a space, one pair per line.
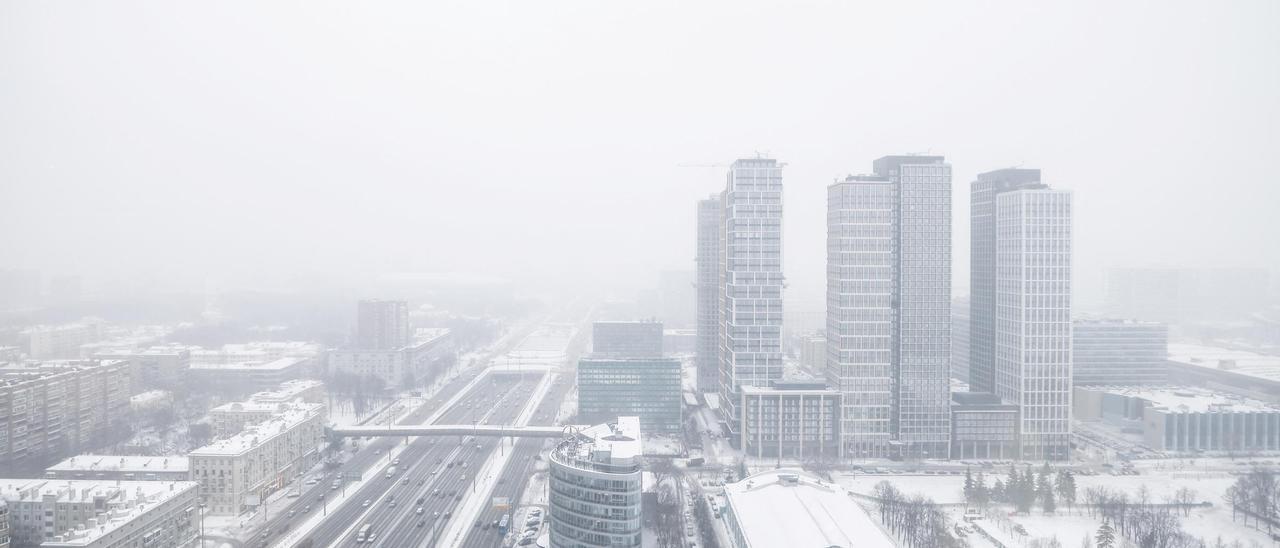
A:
648, 388
751, 281
1032, 328
1110, 352
889, 307
707, 357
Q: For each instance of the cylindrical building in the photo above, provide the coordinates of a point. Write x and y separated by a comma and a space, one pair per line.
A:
595, 487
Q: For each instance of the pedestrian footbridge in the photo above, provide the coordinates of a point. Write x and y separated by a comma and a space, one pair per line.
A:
490, 430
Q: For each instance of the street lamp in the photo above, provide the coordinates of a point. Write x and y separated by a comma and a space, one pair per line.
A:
202, 505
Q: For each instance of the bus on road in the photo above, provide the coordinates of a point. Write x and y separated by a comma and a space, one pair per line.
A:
365, 533
504, 524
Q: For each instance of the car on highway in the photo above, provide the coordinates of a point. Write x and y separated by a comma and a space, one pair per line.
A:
366, 503
306, 509
418, 511
422, 523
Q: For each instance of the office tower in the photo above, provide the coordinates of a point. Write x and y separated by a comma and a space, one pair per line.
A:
751, 282
982, 265
1032, 321
960, 339
642, 338
594, 487
382, 325
610, 386
889, 307
1119, 352
707, 358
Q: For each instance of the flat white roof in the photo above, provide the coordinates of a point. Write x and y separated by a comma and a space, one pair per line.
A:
1235, 361
1188, 399
620, 439
278, 365
122, 463
789, 507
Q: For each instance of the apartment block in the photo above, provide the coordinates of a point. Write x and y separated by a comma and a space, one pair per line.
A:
51, 410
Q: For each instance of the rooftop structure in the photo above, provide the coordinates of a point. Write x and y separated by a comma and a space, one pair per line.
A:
627, 338
594, 489
788, 507
121, 467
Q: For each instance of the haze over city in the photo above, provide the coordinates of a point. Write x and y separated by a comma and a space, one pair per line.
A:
977, 274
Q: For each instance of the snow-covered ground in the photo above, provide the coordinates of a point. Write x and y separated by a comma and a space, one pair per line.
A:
1070, 525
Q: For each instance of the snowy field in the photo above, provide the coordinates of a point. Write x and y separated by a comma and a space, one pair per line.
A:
1070, 525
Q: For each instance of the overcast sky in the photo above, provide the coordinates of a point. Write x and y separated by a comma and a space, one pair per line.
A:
276, 140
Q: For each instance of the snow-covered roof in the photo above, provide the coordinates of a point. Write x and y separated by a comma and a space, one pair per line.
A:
280, 364
1188, 399
258, 434
789, 507
122, 463
125, 501
1235, 361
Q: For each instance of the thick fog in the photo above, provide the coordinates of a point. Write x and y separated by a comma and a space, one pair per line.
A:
284, 143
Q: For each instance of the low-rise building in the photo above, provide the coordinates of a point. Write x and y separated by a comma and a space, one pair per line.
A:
983, 427
121, 467
404, 367
627, 338
679, 341
239, 472
242, 378
1183, 419
102, 514
51, 410
308, 390
232, 418
157, 367
647, 387
62, 342
1245, 372
792, 420
1112, 352
594, 487
788, 507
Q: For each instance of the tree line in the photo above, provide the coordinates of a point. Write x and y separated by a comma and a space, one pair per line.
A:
916, 520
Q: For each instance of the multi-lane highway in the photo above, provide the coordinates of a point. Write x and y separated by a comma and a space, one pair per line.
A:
515, 476
436, 471
314, 497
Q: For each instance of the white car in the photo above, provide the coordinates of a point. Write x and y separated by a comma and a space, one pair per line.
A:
366, 503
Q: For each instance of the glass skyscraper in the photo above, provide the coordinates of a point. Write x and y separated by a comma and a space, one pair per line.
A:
750, 281
889, 307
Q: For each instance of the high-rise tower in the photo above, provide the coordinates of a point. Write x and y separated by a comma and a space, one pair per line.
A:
982, 265
750, 281
707, 357
1032, 320
889, 307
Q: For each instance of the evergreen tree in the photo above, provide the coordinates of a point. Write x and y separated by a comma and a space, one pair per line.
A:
998, 492
1106, 536
981, 494
1066, 487
1047, 501
968, 487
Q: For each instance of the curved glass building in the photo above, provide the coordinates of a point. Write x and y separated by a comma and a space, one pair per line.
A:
595, 487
